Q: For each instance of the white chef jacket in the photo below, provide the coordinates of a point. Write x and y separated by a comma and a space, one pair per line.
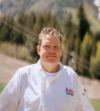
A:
31, 90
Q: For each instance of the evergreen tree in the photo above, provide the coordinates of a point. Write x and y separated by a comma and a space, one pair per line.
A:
97, 36
77, 52
54, 22
85, 55
22, 18
46, 17
31, 20
68, 25
20, 23
68, 38
83, 22
95, 63
17, 38
5, 29
39, 23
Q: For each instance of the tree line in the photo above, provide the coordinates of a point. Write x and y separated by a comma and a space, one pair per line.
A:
81, 47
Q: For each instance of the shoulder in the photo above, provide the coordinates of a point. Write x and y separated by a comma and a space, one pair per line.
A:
26, 69
68, 70
70, 73
22, 74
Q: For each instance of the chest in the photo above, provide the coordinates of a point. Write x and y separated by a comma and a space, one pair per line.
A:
49, 94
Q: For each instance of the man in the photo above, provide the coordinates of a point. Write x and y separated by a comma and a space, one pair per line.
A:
47, 85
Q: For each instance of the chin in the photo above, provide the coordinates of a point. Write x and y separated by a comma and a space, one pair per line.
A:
52, 62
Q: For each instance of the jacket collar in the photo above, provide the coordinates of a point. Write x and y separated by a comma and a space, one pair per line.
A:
40, 68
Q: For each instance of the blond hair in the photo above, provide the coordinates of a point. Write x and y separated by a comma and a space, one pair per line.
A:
50, 31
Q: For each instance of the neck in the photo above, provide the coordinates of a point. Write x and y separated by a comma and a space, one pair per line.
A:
50, 68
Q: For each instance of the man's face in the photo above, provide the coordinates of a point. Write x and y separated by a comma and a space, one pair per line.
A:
50, 50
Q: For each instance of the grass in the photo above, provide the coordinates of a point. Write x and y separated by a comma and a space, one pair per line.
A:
2, 86
95, 103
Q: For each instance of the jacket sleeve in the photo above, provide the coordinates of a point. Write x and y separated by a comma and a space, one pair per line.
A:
9, 97
83, 102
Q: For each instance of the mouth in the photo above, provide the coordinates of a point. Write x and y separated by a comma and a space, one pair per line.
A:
51, 56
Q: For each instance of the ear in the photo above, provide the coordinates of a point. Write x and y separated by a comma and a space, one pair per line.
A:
38, 49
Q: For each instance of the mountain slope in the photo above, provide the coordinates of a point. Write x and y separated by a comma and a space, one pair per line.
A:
60, 7
14, 6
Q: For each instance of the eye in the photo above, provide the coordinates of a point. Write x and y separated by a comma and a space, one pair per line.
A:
46, 47
56, 47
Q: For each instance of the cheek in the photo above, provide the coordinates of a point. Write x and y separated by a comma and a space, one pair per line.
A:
43, 52
58, 53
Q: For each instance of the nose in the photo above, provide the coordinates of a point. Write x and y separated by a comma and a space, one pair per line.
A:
51, 50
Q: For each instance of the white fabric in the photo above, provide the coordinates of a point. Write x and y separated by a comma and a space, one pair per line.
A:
31, 90
47, 73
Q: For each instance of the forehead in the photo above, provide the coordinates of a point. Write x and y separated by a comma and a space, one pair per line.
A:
50, 38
